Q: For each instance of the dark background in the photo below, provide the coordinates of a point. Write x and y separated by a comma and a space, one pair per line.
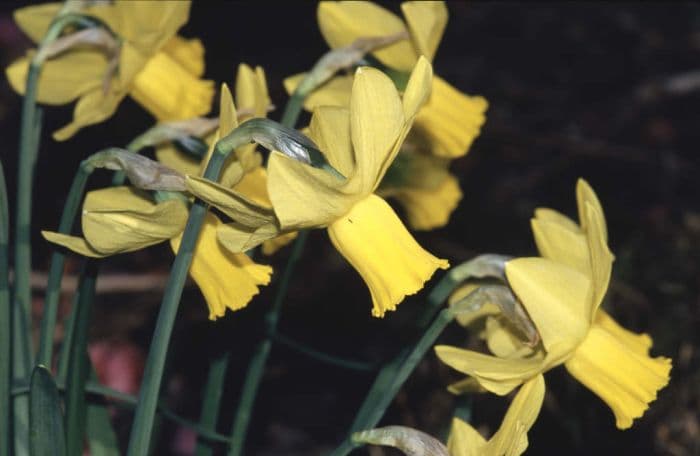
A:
605, 91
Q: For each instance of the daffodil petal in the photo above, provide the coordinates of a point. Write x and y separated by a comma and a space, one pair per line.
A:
231, 203
119, 219
418, 88
501, 340
557, 298
92, 108
614, 364
179, 161
251, 91
373, 239
600, 256
34, 20
253, 186
511, 437
228, 120
450, 120
149, 25
341, 23
227, 280
304, 196
426, 23
430, 209
236, 237
550, 215
497, 375
376, 121
558, 243
585, 194
464, 440
76, 244
334, 92
62, 79
330, 130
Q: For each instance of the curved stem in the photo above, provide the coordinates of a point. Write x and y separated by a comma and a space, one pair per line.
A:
262, 352
321, 356
142, 426
53, 286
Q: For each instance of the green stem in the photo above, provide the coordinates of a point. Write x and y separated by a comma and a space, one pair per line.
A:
148, 398
5, 323
262, 352
321, 356
78, 364
213, 390
53, 286
293, 109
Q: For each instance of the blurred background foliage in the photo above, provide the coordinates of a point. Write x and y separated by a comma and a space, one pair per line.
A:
608, 92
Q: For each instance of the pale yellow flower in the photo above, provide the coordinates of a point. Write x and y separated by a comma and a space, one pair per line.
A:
160, 70
360, 143
562, 292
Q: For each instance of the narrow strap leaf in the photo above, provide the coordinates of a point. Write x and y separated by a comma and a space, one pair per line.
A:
45, 420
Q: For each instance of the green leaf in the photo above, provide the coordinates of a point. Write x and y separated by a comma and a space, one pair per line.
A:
45, 419
5, 323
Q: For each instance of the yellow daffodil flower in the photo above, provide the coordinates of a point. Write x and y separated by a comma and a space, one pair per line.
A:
444, 128
360, 143
511, 437
562, 292
450, 120
160, 70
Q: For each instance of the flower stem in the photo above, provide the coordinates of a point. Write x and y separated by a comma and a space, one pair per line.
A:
5, 322
256, 367
53, 286
142, 426
293, 109
212, 399
322, 356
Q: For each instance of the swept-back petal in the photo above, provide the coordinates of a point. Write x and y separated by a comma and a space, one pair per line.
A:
149, 25
427, 209
341, 23
426, 23
614, 363
251, 91
276, 243
451, 120
179, 161
600, 256
511, 437
120, 219
373, 239
557, 298
74, 243
585, 194
63, 79
35, 20
330, 130
497, 375
227, 280
464, 440
304, 196
550, 215
376, 121
237, 238
92, 108
228, 119
335, 92
237, 206
558, 243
